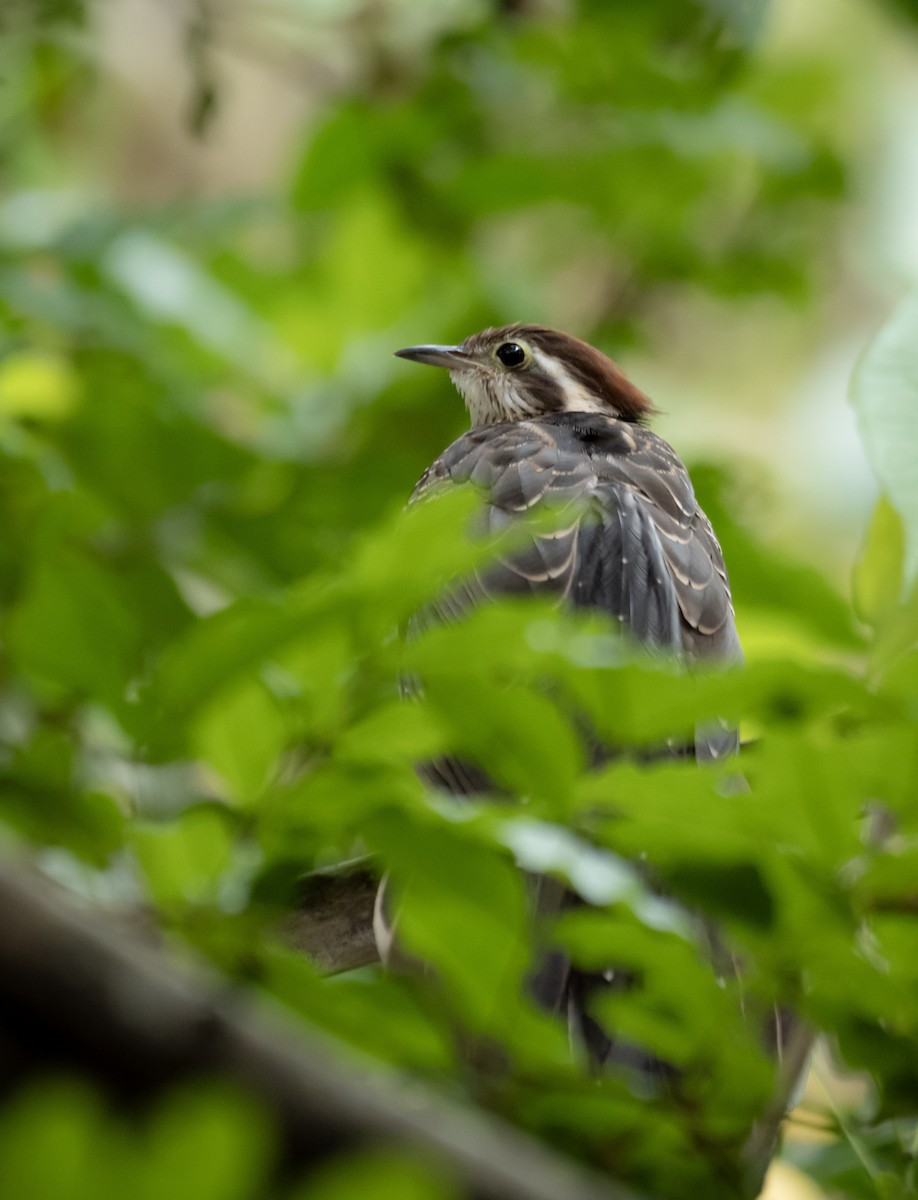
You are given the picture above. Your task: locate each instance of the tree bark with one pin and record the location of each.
(333, 918)
(77, 994)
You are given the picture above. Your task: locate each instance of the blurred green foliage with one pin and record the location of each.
(203, 1143)
(205, 450)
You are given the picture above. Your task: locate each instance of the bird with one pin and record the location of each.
(554, 420)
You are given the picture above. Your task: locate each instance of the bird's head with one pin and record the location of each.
(523, 371)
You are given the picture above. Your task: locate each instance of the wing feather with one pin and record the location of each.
(639, 548)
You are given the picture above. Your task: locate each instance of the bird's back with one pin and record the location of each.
(556, 422)
(637, 545)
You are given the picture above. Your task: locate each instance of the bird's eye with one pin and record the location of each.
(511, 354)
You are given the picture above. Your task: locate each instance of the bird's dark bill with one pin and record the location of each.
(451, 357)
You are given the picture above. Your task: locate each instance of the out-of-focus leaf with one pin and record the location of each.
(675, 1006)
(412, 557)
(514, 638)
(183, 861)
(374, 265)
(208, 1142)
(493, 726)
(241, 734)
(333, 802)
(878, 573)
(597, 876)
(847, 1164)
(885, 395)
(676, 809)
(805, 596)
(55, 1144)
(451, 891)
(640, 705)
(73, 626)
(171, 287)
(37, 387)
(908, 8)
(735, 890)
(894, 649)
(23, 496)
(379, 1015)
(799, 796)
(142, 445)
(41, 795)
(43, 15)
(386, 1176)
(399, 731)
(740, 22)
(216, 651)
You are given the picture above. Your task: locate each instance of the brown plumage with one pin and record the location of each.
(565, 425)
(554, 420)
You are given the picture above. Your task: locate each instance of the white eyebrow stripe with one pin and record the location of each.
(576, 396)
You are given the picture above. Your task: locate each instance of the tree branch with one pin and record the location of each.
(76, 995)
(333, 918)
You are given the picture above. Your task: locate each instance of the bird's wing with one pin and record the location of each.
(637, 545)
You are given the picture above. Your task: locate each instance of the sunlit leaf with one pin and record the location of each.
(55, 1144)
(37, 387)
(208, 1143)
(388, 1176)
(184, 860)
(241, 735)
(884, 398)
(451, 891)
(879, 570)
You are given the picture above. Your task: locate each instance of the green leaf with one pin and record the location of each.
(377, 1013)
(73, 626)
(41, 796)
(452, 892)
(670, 1002)
(878, 573)
(734, 889)
(184, 861)
(597, 876)
(885, 398)
(410, 558)
(401, 731)
(55, 1144)
(646, 704)
(37, 387)
(207, 1142)
(330, 806)
(218, 649)
(241, 734)
(385, 1175)
(520, 737)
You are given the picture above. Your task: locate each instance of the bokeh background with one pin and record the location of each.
(218, 218)
(275, 195)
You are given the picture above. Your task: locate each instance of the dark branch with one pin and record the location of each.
(76, 995)
(333, 918)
